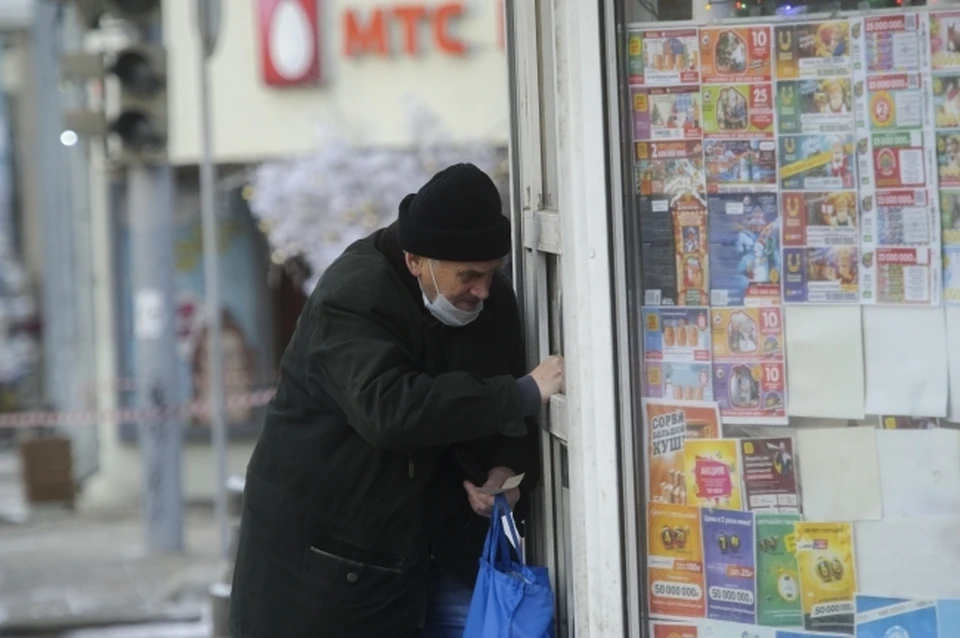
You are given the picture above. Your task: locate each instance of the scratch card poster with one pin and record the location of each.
(736, 54)
(778, 580)
(677, 353)
(738, 110)
(675, 561)
(666, 113)
(892, 43)
(745, 256)
(670, 56)
(730, 564)
(816, 49)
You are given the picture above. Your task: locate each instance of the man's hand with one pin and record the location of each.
(549, 377)
(481, 503)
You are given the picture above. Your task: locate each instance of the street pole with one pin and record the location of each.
(150, 193)
(208, 23)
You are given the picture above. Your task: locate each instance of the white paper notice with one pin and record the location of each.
(720, 629)
(906, 360)
(909, 558)
(824, 361)
(953, 361)
(920, 472)
(839, 474)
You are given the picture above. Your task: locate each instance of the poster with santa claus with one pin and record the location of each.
(817, 162)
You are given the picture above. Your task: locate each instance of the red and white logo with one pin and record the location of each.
(289, 41)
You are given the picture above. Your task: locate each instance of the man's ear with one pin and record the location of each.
(414, 263)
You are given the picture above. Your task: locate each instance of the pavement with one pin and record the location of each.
(85, 574)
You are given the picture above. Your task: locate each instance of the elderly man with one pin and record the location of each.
(402, 400)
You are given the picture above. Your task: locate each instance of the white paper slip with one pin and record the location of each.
(953, 359)
(511, 483)
(839, 474)
(919, 473)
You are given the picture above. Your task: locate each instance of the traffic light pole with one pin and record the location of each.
(150, 194)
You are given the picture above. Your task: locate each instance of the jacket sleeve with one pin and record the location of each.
(357, 359)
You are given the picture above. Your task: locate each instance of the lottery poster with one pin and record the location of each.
(729, 561)
(812, 50)
(668, 424)
(900, 250)
(749, 374)
(669, 168)
(677, 353)
(666, 113)
(667, 629)
(778, 579)
(691, 246)
(735, 54)
(670, 56)
(738, 110)
(945, 40)
(744, 251)
(898, 159)
(894, 101)
(817, 162)
(892, 43)
(675, 561)
(948, 158)
(657, 255)
(908, 423)
(635, 57)
(950, 225)
(946, 101)
(951, 275)
(734, 166)
(828, 580)
(712, 471)
(818, 106)
(879, 617)
(769, 475)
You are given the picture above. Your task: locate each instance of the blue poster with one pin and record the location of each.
(895, 618)
(730, 565)
(786, 633)
(948, 618)
(744, 249)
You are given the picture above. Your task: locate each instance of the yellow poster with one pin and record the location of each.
(668, 424)
(828, 581)
(712, 473)
(675, 561)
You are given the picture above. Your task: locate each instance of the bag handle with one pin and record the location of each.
(496, 549)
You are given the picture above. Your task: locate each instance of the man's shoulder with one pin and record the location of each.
(361, 278)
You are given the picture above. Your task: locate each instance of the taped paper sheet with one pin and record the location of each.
(824, 361)
(953, 360)
(920, 472)
(839, 474)
(909, 558)
(906, 360)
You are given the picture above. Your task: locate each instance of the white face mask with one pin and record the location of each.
(444, 311)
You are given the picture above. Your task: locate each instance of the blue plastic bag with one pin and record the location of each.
(510, 600)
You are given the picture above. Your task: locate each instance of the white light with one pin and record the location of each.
(68, 138)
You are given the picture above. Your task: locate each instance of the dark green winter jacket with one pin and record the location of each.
(355, 486)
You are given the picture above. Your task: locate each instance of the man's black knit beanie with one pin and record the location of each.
(456, 216)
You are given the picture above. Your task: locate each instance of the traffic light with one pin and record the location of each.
(141, 121)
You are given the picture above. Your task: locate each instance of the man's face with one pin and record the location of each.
(464, 284)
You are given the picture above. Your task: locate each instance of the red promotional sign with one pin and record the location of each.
(289, 34)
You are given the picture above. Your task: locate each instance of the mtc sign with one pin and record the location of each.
(372, 31)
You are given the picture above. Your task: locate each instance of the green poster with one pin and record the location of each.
(778, 586)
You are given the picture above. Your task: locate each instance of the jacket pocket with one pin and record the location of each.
(347, 576)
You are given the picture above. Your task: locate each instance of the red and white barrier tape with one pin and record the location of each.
(43, 418)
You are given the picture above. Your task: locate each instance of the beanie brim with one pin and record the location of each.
(479, 244)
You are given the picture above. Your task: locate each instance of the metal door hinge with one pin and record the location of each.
(541, 231)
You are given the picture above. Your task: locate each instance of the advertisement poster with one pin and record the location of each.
(950, 237)
(946, 100)
(665, 629)
(900, 249)
(658, 255)
(787, 633)
(666, 113)
(817, 162)
(815, 106)
(670, 56)
(778, 581)
(892, 43)
(667, 425)
(749, 375)
(669, 168)
(635, 57)
(895, 617)
(944, 34)
(948, 158)
(894, 101)
(909, 422)
(677, 353)
(744, 251)
(691, 244)
(735, 54)
(769, 475)
(675, 561)
(723, 629)
(738, 110)
(828, 580)
(712, 470)
(729, 561)
(735, 166)
(898, 159)
(813, 50)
